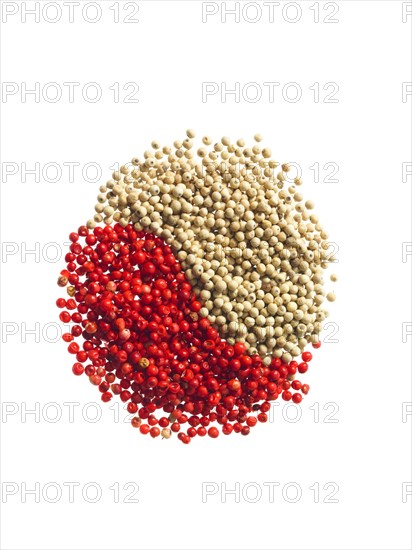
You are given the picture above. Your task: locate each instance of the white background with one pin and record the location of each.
(366, 374)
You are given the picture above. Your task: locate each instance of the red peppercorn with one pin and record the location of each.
(251, 421)
(154, 432)
(303, 367)
(73, 348)
(191, 432)
(196, 306)
(78, 369)
(296, 398)
(286, 395)
(106, 396)
(239, 348)
(306, 356)
(262, 417)
(65, 317)
(213, 432)
(163, 422)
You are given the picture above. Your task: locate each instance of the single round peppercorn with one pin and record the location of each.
(297, 398)
(306, 356)
(154, 432)
(175, 427)
(227, 429)
(144, 429)
(78, 369)
(106, 396)
(136, 422)
(262, 417)
(286, 395)
(303, 367)
(251, 421)
(65, 317)
(73, 348)
(213, 432)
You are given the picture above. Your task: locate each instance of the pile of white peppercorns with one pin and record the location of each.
(249, 245)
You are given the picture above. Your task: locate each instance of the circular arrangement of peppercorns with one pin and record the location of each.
(195, 300)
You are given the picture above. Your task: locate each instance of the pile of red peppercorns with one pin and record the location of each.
(144, 340)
